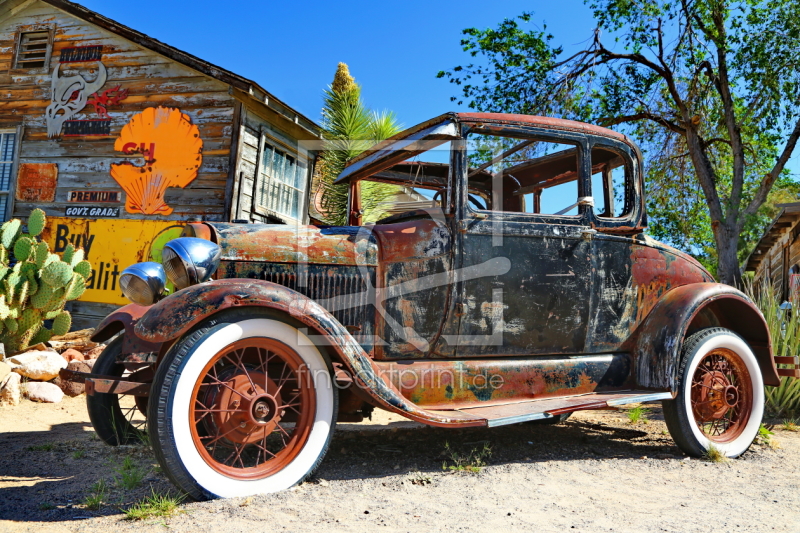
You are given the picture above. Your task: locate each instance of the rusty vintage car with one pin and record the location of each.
(516, 285)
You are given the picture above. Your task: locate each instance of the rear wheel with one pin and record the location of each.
(116, 418)
(242, 406)
(720, 399)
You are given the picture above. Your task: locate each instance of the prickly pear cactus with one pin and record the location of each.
(35, 284)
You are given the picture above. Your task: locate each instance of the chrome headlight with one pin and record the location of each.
(143, 283)
(189, 260)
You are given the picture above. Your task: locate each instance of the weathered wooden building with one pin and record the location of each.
(776, 257)
(119, 137)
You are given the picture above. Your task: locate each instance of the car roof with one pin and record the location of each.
(358, 167)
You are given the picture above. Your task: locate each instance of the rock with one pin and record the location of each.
(69, 388)
(90, 362)
(4, 371)
(41, 347)
(95, 352)
(71, 354)
(10, 393)
(40, 366)
(43, 392)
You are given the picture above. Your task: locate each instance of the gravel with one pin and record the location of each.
(596, 472)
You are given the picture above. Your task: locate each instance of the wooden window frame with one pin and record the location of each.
(265, 141)
(12, 181)
(50, 29)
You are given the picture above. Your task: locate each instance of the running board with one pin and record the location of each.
(514, 413)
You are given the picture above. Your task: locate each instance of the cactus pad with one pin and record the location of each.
(31, 318)
(43, 296)
(62, 323)
(76, 287)
(43, 335)
(23, 248)
(40, 254)
(57, 301)
(84, 269)
(66, 255)
(36, 222)
(57, 274)
(10, 230)
(77, 257)
(22, 292)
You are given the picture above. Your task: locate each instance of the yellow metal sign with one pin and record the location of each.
(110, 245)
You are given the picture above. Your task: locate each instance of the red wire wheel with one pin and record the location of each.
(252, 408)
(721, 395)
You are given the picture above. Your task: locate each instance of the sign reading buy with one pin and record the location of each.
(110, 245)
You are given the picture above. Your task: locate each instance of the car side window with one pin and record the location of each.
(611, 183)
(522, 175)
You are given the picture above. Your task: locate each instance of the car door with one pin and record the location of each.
(525, 271)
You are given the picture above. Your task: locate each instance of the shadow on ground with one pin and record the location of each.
(47, 475)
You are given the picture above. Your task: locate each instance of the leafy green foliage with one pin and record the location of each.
(784, 328)
(472, 461)
(98, 495)
(709, 89)
(156, 504)
(349, 129)
(35, 288)
(637, 414)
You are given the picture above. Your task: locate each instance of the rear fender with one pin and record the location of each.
(133, 349)
(174, 316)
(689, 308)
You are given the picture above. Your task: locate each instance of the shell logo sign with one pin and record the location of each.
(172, 151)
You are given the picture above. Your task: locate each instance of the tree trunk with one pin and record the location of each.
(727, 238)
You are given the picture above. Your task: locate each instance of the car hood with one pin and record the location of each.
(278, 243)
(679, 254)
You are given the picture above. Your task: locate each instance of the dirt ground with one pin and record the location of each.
(596, 472)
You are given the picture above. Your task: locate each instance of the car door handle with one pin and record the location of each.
(588, 233)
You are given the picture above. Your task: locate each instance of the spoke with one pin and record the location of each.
(221, 436)
(240, 354)
(217, 382)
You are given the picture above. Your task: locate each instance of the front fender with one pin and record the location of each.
(660, 337)
(175, 315)
(133, 349)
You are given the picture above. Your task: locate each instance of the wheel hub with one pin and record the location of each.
(264, 409)
(715, 393)
(721, 395)
(244, 411)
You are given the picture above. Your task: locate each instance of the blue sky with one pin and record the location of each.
(394, 49)
(292, 48)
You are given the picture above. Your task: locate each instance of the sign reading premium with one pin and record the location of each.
(87, 211)
(110, 245)
(111, 197)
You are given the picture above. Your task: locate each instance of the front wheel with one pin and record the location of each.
(116, 418)
(242, 405)
(720, 399)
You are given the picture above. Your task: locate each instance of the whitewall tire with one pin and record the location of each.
(243, 404)
(720, 397)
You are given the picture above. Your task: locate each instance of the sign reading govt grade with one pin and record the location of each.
(110, 245)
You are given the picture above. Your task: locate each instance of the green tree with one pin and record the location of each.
(349, 128)
(709, 88)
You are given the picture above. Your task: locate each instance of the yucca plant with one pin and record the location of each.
(349, 128)
(784, 327)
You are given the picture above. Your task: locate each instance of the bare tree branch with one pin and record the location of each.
(766, 183)
(612, 121)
